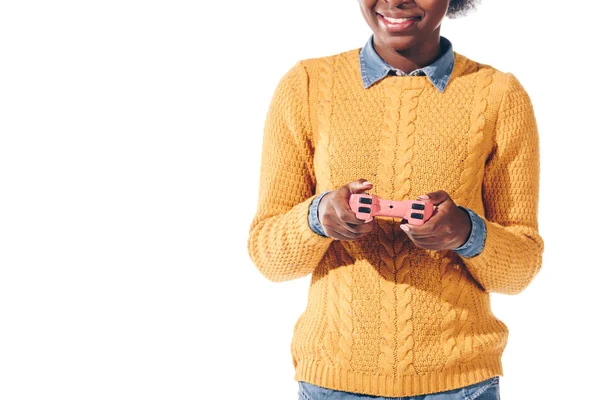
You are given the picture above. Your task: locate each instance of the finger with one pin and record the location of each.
(407, 229)
(422, 236)
(429, 243)
(340, 235)
(424, 230)
(430, 227)
(347, 216)
(356, 228)
(435, 197)
(359, 230)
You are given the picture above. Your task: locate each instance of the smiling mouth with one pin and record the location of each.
(398, 20)
(397, 25)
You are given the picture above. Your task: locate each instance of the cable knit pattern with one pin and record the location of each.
(472, 175)
(385, 230)
(411, 90)
(334, 322)
(324, 105)
(451, 284)
(385, 317)
(455, 323)
(510, 198)
(404, 332)
(345, 293)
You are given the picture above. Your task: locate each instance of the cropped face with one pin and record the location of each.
(401, 24)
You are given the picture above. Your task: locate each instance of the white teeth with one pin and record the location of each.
(396, 20)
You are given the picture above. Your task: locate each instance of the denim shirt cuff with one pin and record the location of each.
(476, 241)
(313, 219)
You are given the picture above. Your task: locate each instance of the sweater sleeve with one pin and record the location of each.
(512, 254)
(281, 243)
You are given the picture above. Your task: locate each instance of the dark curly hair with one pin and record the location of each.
(460, 8)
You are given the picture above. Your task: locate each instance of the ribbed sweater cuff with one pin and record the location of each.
(338, 378)
(509, 260)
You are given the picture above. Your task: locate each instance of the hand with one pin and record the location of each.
(447, 229)
(336, 217)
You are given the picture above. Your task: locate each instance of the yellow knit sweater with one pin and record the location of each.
(385, 317)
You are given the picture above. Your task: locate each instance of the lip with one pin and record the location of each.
(399, 15)
(401, 27)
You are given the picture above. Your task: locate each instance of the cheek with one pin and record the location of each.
(369, 15)
(367, 7)
(434, 10)
(367, 4)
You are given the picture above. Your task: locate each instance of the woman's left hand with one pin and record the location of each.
(448, 228)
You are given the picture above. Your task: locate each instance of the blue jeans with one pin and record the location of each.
(485, 390)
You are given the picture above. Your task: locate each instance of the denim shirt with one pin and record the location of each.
(373, 68)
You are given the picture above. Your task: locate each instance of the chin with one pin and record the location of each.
(397, 42)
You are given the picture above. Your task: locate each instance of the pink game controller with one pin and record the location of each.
(366, 206)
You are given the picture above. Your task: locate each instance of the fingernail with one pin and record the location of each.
(367, 183)
(405, 228)
(424, 197)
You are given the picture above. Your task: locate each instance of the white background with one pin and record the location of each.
(130, 139)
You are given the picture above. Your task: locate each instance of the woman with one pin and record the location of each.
(397, 310)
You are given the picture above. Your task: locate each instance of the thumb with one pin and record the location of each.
(359, 186)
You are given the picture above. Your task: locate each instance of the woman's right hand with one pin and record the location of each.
(336, 217)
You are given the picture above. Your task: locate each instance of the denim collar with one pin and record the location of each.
(373, 68)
